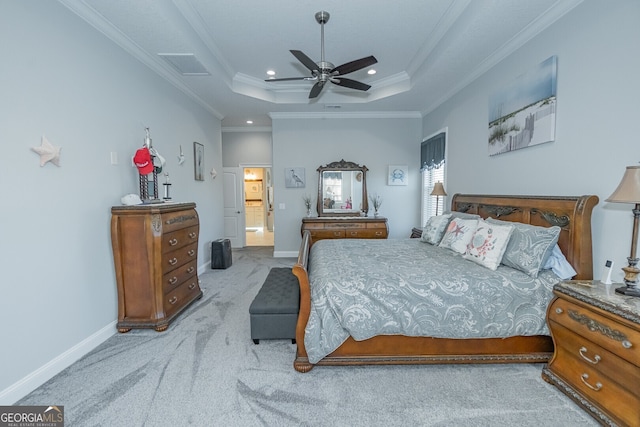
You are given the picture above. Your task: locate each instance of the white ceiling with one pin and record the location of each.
(427, 50)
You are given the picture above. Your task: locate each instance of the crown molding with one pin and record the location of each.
(97, 21)
(231, 129)
(348, 115)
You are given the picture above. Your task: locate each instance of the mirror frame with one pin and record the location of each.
(341, 166)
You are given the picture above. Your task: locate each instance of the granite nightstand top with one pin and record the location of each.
(603, 296)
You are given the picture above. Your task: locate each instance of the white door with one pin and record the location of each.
(234, 227)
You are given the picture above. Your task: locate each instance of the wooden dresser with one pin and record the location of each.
(596, 360)
(345, 227)
(155, 252)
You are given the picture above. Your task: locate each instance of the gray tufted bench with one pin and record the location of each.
(274, 311)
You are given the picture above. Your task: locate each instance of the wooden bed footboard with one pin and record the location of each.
(571, 214)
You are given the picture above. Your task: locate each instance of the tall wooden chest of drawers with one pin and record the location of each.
(345, 227)
(596, 360)
(155, 253)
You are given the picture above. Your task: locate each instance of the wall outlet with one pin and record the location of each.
(114, 157)
(281, 206)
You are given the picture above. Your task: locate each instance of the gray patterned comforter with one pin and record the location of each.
(407, 287)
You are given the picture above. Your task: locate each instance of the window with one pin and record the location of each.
(432, 156)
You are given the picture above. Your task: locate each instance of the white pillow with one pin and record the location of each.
(434, 229)
(488, 244)
(558, 263)
(459, 234)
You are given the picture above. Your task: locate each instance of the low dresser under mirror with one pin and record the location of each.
(343, 205)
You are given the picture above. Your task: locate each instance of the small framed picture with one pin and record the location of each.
(198, 161)
(398, 175)
(294, 178)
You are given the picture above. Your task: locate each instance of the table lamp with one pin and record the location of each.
(628, 191)
(438, 190)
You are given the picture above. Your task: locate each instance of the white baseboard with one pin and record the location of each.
(26, 385)
(285, 254)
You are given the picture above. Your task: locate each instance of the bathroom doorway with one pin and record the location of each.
(258, 205)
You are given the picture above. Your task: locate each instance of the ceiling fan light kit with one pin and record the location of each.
(324, 71)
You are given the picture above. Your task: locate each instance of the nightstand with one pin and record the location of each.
(596, 360)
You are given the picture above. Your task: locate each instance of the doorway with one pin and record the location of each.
(258, 206)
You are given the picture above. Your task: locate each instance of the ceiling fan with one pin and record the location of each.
(323, 71)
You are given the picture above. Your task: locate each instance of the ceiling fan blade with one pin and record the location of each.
(284, 79)
(306, 61)
(352, 84)
(356, 65)
(316, 89)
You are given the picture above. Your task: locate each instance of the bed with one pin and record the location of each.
(451, 343)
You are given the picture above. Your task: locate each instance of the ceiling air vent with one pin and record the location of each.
(185, 63)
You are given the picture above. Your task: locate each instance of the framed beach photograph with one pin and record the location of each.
(198, 161)
(523, 114)
(398, 175)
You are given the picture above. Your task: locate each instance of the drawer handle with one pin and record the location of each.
(337, 233)
(191, 252)
(173, 300)
(192, 235)
(559, 310)
(627, 344)
(378, 233)
(173, 280)
(584, 379)
(595, 326)
(353, 233)
(593, 361)
(191, 286)
(173, 261)
(190, 270)
(173, 242)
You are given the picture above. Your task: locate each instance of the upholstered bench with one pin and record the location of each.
(274, 311)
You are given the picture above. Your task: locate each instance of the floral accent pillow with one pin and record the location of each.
(459, 234)
(488, 244)
(434, 229)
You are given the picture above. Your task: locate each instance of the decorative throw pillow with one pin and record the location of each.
(434, 229)
(488, 244)
(463, 215)
(529, 246)
(458, 234)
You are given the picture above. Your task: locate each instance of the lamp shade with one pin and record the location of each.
(438, 190)
(628, 190)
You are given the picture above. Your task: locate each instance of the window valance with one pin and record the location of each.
(432, 152)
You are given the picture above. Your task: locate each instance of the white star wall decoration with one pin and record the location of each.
(48, 152)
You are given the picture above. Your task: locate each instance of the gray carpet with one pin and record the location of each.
(205, 371)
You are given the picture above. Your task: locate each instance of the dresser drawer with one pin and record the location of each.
(174, 259)
(178, 239)
(599, 389)
(571, 345)
(180, 296)
(327, 234)
(174, 278)
(607, 333)
(172, 221)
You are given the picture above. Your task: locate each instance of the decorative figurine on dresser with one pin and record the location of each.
(596, 360)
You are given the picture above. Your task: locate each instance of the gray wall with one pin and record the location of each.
(375, 141)
(246, 148)
(596, 134)
(65, 80)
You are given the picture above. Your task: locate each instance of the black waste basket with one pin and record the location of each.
(221, 253)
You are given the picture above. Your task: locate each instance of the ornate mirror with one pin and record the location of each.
(342, 189)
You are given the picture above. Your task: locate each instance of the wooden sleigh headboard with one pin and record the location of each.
(571, 214)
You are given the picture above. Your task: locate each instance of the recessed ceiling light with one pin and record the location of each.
(271, 73)
(249, 122)
(371, 72)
